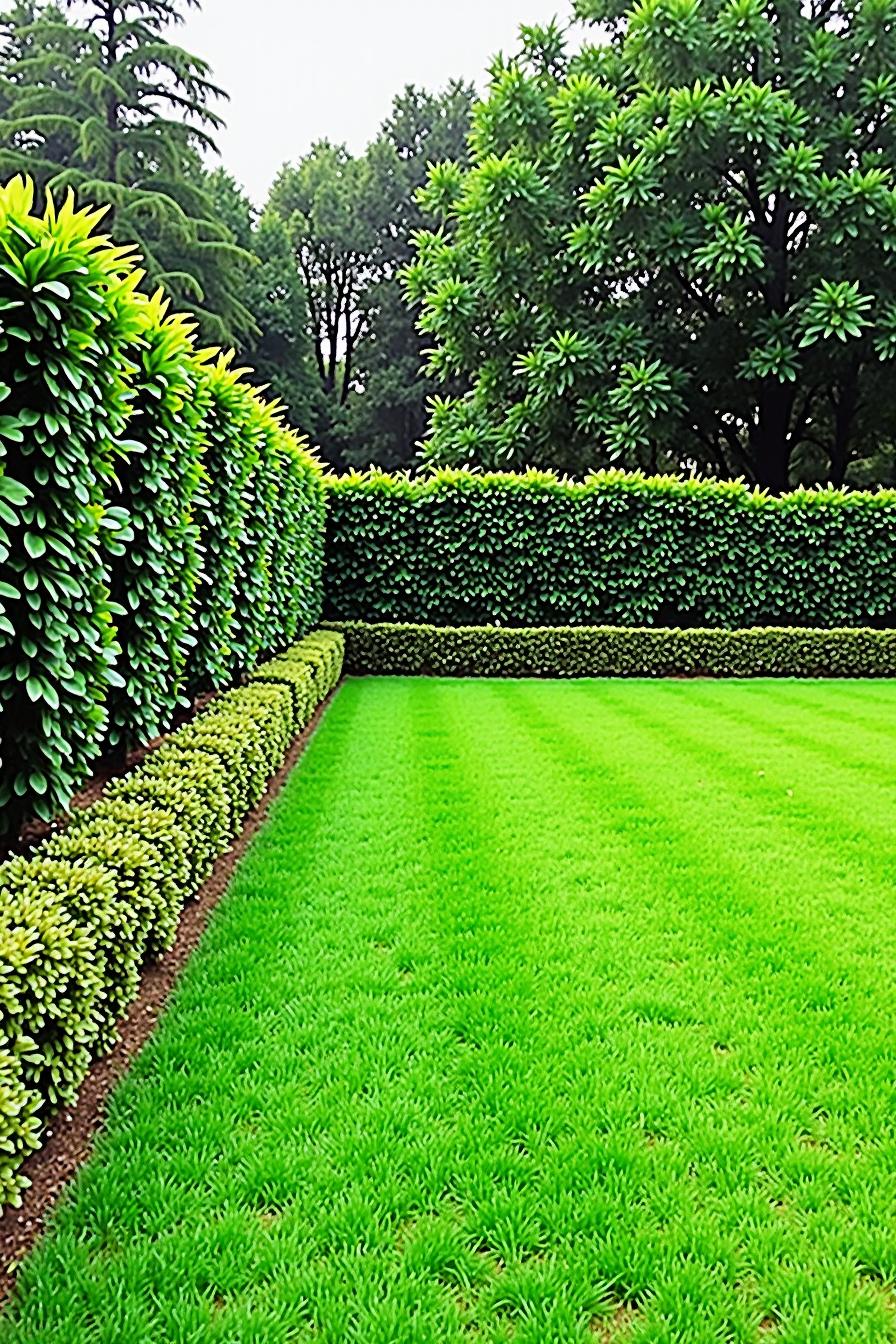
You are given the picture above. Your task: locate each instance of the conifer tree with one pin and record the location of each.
(94, 95)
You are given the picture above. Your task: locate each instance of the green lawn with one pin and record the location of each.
(539, 1012)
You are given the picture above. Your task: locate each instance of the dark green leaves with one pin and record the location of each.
(459, 548)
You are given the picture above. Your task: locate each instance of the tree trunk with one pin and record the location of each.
(845, 401)
(770, 441)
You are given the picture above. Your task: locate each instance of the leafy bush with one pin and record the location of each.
(160, 529)
(68, 317)
(582, 651)
(78, 920)
(19, 1126)
(51, 971)
(309, 672)
(297, 561)
(298, 680)
(245, 732)
(154, 577)
(196, 798)
(533, 550)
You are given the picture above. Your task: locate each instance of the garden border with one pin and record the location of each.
(69, 1139)
(388, 649)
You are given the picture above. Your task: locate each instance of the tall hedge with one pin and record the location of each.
(67, 319)
(261, 521)
(297, 561)
(231, 455)
(155, 574)
(457, 549)
(160, 528)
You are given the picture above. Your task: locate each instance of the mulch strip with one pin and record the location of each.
(68, 1141)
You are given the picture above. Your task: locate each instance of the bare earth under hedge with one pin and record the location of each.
(537, 1013)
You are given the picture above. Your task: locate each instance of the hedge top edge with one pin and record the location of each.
(608, 481)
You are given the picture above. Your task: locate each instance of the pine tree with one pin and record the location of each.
(95, 97)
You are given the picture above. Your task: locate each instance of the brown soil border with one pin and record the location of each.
(68, 1141)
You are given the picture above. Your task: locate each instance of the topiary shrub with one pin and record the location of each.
(19, 1127)
(298, 678)
(51, 970)
(194, 794)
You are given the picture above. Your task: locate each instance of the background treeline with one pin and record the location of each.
(160, 528)
(100, 98)
(662, 240)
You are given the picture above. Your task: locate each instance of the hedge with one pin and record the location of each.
(161, 529)
(80, 918)
(577, 651)
(457, 548)
(154, 575)
(68, 320)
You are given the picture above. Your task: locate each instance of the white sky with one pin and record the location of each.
(301, 70)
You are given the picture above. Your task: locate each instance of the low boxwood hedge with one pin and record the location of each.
(583, 651)
(80, 918)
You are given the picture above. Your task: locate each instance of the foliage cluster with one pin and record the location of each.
(674, 246)
(159, 528)
(612, 651)
(97, 97)
(457, 548)
(349, 220)
(81, 917)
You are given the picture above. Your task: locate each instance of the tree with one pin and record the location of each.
(351, 220)
(674, 247)
(94, 96)
(387, 412)
(280, 351)
(331, 202)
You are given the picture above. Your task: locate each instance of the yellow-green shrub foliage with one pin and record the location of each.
(80, 918)
(197, 800)
(51, 970)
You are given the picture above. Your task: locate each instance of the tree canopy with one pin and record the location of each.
(351, 219)
(279, 351)
(95, 96)
(674, 246)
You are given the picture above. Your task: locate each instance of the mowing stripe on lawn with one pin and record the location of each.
(538, 1013)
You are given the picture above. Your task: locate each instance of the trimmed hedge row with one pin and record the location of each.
(160, 528)
(533, 550)
(581, 651)
(80, 918)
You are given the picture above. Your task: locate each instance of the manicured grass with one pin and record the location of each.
(539, 1013)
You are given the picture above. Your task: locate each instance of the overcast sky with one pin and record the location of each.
(301, 70)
